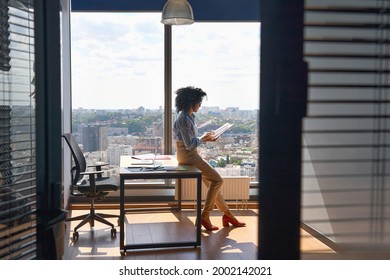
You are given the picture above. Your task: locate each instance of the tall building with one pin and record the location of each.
(102, 136)
(94, 138)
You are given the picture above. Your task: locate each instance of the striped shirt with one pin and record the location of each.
(186, 131)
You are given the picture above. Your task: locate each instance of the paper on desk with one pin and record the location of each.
(158, 168)
(151, 157)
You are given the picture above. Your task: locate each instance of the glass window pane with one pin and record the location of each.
(223, 60)
(117, 84)
(18, 184)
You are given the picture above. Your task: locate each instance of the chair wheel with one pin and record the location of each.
(113, 232)
(75, 236)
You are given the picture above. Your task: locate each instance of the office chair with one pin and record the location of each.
(96, 187)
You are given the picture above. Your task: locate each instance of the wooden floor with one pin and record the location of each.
(228, 243)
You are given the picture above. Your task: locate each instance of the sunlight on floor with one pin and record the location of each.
(225, 243)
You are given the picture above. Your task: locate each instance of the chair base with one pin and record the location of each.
(90, 218)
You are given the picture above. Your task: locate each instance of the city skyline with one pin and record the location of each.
(161, 108)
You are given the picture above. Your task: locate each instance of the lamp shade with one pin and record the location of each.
(177, 12)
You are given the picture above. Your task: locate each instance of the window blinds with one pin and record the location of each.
(346, 131)
(17, 131)
(4, 37)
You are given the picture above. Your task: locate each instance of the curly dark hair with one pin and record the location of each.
(188, 97)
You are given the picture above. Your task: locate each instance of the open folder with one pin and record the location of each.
(218, 132)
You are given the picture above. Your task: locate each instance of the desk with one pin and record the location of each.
(172, 171)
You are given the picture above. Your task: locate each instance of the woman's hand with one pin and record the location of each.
(208, 137)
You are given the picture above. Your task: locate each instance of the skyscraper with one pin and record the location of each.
(94, 138)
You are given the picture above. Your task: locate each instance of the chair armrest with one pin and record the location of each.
(91, 172)
(98, 166)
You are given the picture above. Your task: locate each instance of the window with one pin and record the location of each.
(117, 84)
(345, 164)
(223, 60)
(17, 132)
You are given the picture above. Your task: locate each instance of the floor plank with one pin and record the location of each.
(228, 243)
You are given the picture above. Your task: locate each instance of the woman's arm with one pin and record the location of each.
(188, 133)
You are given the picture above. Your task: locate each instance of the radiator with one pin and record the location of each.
(235, 188)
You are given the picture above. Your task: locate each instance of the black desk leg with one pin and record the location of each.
(122, 214)
(179, 194)
(198, 210)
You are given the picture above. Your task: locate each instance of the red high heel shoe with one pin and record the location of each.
(209, 226)
(226, 220)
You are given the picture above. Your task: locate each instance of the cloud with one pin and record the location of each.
(117, 61)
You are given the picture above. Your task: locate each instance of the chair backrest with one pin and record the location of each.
(80, 164)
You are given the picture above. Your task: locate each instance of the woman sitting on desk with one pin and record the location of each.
(188, 101)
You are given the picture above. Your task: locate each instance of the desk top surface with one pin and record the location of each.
(129, 166)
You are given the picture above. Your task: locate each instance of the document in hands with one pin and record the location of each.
(218, 132)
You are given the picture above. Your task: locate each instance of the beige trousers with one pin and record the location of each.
(210, 177)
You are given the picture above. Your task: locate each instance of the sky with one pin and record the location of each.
(118, 61)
